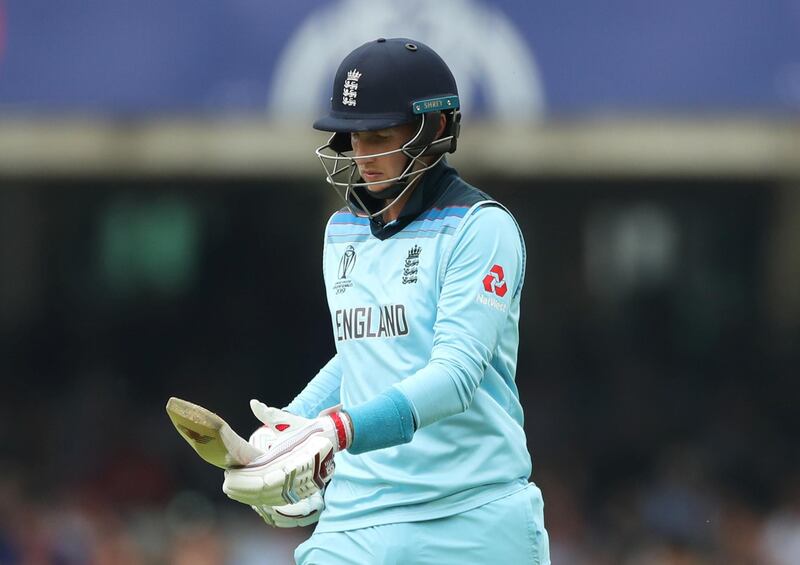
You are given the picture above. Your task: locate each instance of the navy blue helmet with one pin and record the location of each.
(382, 84)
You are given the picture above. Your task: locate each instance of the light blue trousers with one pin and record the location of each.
(508, 531)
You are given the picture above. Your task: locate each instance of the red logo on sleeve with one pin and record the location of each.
(495, 281)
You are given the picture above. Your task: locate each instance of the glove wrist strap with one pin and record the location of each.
(343, 428)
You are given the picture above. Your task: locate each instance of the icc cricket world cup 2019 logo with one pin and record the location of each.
(347, 262)
(346, 265)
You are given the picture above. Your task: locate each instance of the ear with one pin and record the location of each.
(442, 125)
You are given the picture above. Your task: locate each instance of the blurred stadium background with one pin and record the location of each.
(161, 213)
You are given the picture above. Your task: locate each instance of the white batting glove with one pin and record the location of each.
(298, 464)
(305, 512)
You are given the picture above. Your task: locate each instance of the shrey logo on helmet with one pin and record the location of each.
(350, 91)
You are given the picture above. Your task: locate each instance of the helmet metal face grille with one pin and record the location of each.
(341, 169)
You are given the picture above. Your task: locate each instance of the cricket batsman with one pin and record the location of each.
(418, 409)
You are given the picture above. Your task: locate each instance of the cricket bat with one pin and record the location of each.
(210, 436)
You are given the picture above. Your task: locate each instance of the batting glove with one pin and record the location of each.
(305, 512)
(298, 464)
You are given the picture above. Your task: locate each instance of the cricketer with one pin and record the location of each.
(418, 409)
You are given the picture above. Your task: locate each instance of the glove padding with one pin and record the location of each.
(297, 463)
(305, 512)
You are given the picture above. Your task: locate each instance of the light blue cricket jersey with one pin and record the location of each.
(430, 306)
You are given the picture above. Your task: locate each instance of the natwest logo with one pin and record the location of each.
(494, 281)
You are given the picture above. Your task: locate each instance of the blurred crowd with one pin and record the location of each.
(676, 517)
(76, 529)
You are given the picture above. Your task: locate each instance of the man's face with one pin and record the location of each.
(374, 169)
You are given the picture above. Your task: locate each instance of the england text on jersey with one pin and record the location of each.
(371, 322)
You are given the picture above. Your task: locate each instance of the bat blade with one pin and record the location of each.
(209, 435)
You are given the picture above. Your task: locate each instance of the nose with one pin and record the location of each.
(364, 160)
(363, 152)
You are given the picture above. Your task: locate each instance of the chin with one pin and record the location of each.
(373, 188)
